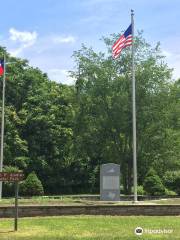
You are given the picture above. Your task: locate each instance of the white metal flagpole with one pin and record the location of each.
(134, 113)
(2, 124)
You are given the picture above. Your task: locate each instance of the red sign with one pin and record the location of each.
(11, 177)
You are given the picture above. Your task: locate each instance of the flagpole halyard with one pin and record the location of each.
(2, 123)
(134, 114)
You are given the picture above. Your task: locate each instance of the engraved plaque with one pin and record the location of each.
(110, 182)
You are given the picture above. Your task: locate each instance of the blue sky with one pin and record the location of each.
(46, 32)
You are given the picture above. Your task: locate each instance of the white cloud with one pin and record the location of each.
(166, 53)
(23, 37)
(173, 60)
(61, 39)
(22, 40)
(61, 76)
(51, 53)
(16, 51)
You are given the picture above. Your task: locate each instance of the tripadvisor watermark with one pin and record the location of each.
(140, 231)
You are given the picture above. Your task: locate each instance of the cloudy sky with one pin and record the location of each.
(46, 32)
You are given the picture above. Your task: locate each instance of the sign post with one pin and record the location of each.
(16, 206)
(13, 177)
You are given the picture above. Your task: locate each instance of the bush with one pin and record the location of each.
(121, 189)
(140, 190)
(153, 184)
(178, 186)
(9, 187)
(170, 192)
(171, 180)
(32, 186)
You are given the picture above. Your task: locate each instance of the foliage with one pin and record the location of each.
(170, 192)
(140, 190)
(32, 186)
(67, 132)
(9, 187)
(153, 184)
(171, 180)
(103, 121)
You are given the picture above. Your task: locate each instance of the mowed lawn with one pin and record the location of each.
(78, 200)
(88, 227)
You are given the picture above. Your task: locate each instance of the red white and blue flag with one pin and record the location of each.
(124, 41)
(1, 67)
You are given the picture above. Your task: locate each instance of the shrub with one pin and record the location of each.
(121, 189)
(171, 180)
(140, 190)
(32, 186)
(153, 184)
(170, 192)
(177, 185)
(8, 187)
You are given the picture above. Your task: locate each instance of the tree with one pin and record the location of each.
(67, 132)
(103, 123)
(153, 184)
(38, 124)
(171, 180)
(32, 186)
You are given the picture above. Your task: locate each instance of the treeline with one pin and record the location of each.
(64, 133)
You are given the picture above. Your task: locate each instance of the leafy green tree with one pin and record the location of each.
(153, 184)
(171, 180)
(32, 186)
(38, 124)
(48, 119)
(16, 148)
(103, 122)
(64, 133)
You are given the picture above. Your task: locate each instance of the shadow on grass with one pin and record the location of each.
(8, 231)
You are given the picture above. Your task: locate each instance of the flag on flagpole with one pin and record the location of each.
(124, 41)
(1, 67)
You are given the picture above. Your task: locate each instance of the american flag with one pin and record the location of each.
(124, 41)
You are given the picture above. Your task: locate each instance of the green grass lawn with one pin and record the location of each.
(88, 227)
(77, 200)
